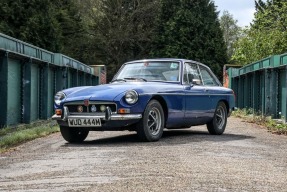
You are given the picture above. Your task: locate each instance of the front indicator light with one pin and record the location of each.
(58, 111)
(123, 111)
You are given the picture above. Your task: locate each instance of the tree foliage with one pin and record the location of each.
(190, 29)
(73, 37)
(231, 32)
(32, 21)
(111, 32)
(50, 24)
(122, 30)
(267, 35)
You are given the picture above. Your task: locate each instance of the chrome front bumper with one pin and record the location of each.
(107, 116)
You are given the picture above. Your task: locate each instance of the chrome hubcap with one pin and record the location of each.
(220, 117)
(154, 121)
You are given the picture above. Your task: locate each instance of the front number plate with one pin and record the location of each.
(84, 122)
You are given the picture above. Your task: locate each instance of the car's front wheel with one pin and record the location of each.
(218, 123)
(73, 134)
(150, 128)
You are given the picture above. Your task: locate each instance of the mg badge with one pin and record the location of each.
(86, 102)
(80, 108)
(93, 108)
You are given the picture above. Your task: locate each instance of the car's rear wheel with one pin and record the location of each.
(73, 134)
(150, 128)
(218, 123)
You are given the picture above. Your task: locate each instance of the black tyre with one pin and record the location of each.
(150, 128)
(73, 135)
(218, 123)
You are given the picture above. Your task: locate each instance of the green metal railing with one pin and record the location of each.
(262, 86)
(30, 77)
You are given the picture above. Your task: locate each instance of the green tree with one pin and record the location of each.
(74, 36)
(122, 30)
(32, 21)
(54, 25)
(231, 32)
(260, 5)
(267, 35)
(191, 29)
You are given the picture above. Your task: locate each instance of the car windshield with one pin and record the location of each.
(150, 71)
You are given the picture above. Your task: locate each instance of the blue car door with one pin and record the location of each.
(197, 98)
(211, 85)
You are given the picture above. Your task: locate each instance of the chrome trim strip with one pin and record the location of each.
(90, 102)
(88, 114)
(126, 117)
(184, 94)
(113, 117)
(86, 117)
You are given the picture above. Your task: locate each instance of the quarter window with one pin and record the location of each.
(207, 78)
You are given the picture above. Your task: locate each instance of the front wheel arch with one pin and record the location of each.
(163, 105)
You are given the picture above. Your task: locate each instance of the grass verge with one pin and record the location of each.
(11, 137)
(276, 126)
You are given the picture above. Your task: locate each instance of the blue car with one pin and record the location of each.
(146, 96)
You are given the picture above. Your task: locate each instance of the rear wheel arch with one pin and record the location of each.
(226, 104)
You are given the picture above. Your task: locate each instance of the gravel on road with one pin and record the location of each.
(245, 158)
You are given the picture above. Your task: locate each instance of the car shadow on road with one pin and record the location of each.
(169, 137)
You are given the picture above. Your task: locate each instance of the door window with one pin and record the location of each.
(191, 74)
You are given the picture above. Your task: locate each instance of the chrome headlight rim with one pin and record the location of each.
(59, 97)
(131, 97)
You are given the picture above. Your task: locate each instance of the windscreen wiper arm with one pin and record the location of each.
(118, 80)
(135, 78)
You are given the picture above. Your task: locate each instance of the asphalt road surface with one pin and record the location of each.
(245, 158)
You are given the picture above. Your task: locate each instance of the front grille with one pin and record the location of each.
(73, 107)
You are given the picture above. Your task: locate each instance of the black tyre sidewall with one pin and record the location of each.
(142, 128)
(212, 126)
(73, 134)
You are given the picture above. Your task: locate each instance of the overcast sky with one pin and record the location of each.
(242, 10)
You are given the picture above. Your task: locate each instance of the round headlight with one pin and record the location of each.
(59, 97)
(131, 97)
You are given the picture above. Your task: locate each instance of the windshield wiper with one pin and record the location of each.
(118, 80)
(135, 78)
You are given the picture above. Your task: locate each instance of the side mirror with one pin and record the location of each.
(196, 81)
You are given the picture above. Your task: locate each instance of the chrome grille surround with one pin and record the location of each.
(72, 107)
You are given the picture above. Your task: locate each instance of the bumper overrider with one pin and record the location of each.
(107, 116)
